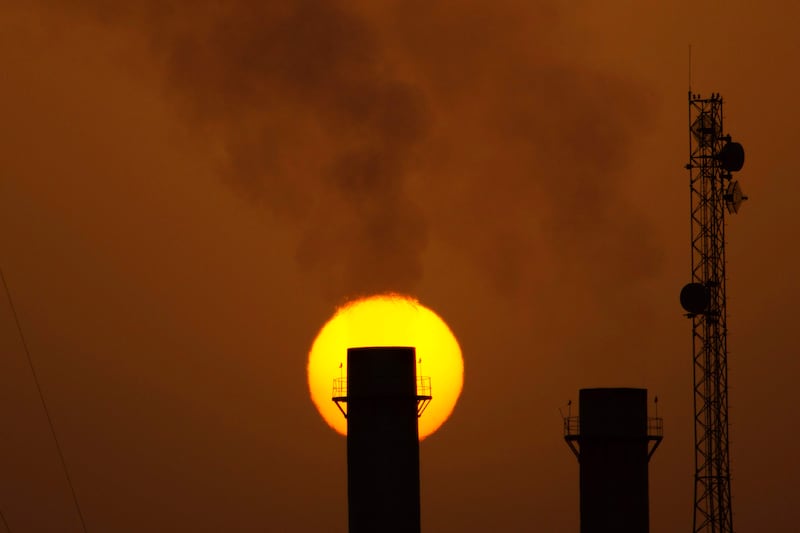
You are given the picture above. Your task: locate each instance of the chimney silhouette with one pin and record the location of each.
(612, 439)
(382, 440)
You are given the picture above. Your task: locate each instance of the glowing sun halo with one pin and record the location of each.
(387, 320)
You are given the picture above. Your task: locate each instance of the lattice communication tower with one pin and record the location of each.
(713, 158)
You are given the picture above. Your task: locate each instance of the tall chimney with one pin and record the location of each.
(612, 439)
(382, 440)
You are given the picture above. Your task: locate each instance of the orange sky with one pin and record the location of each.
(186, 192)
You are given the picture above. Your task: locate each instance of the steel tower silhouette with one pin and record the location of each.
(713, 157)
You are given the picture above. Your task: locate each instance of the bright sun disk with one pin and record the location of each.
(387, 320)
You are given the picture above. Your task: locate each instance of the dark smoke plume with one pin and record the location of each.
(330, 113)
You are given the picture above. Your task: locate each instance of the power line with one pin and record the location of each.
(44, 404)
(3, 517)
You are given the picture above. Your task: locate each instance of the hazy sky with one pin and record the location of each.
(188, 189)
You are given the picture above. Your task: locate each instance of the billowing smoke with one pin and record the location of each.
(316, 128)
(375, 130)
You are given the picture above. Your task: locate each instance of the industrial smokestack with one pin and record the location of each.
(613, 440)
(382, 440)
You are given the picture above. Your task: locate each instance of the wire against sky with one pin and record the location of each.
(44, 403)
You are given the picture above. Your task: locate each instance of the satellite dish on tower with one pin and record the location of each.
(695, 298)
(706, 129)
(733, 197)
(731, 156)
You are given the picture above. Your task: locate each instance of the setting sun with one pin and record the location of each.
(387, 320)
